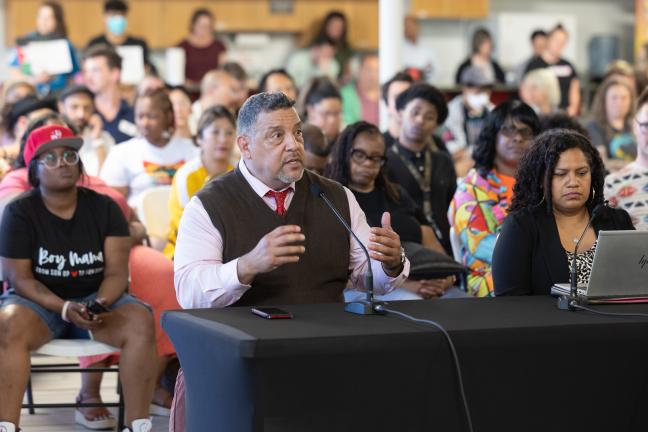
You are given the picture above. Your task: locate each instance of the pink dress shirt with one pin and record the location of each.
(203, 280)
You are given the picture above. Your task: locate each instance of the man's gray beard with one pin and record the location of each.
(288, 179)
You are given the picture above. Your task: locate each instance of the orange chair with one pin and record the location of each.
(151, 280)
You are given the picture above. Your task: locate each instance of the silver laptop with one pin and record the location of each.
(620, 268)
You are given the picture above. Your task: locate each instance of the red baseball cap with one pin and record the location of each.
(48, 137)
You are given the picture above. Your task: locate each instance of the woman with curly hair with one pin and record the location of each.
(558, 184)
(358, 162)
(482, 198)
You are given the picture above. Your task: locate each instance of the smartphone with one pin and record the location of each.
(271, 313)
(96, 308)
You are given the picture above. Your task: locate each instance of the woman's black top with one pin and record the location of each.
(529, 258)
(67, 256)
(406, 217)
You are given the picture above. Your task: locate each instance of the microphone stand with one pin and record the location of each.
(369, 306)
(571, 301)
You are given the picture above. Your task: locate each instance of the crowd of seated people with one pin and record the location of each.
(503, 189)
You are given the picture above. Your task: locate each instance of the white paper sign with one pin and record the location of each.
(52, 57)
(132, 63)
(175, 66)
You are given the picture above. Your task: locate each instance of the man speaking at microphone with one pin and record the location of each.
(257, 236)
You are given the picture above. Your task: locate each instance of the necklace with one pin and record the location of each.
(575, 238)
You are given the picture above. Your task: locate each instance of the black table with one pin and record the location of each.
(527, 366)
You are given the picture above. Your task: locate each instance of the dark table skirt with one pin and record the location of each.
(527, 367)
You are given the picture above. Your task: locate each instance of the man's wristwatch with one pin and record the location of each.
(401, 263)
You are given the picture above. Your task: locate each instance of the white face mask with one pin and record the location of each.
(477, 101)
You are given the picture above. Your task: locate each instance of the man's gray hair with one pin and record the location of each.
(257, 104)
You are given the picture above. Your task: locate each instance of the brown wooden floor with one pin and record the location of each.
(63, 388)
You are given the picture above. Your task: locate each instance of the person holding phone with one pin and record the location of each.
(64, 252)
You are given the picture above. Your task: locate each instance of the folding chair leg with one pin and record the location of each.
(120, 410)
(30, 397)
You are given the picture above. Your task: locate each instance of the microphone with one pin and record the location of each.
(360, 307)
(573, 286)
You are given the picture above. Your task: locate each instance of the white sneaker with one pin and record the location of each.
(139, 425)
(7, 427)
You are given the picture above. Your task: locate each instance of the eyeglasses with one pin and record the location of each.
(510, 131)
(643, 127)
(53, 161)
(360, 157)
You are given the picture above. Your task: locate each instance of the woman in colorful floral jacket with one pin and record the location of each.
(481, 201)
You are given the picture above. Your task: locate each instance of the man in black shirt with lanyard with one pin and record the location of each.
(415, 160)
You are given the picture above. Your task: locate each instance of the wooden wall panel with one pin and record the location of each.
(165, 22)
(20, 18)
(450, 9)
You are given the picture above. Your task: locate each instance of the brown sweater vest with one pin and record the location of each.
(243, 218)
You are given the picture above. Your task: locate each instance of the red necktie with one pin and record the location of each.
(280, 199)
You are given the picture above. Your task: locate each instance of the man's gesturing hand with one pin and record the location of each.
(280, 246)
(385, 246)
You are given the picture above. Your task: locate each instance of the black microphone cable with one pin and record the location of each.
(455, 357)
(573, 281)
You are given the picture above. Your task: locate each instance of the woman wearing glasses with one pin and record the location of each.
(481, 201)
(63, 246)
(358, 162)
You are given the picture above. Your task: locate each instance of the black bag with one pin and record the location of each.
(428, 264)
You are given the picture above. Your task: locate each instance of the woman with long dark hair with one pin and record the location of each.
(203, 52)
(50, 25)
(558, 184)
(335, 27)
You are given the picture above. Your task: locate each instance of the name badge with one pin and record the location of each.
(127, 128)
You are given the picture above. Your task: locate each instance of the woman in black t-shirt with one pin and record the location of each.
(65, 253)
(358, 161)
